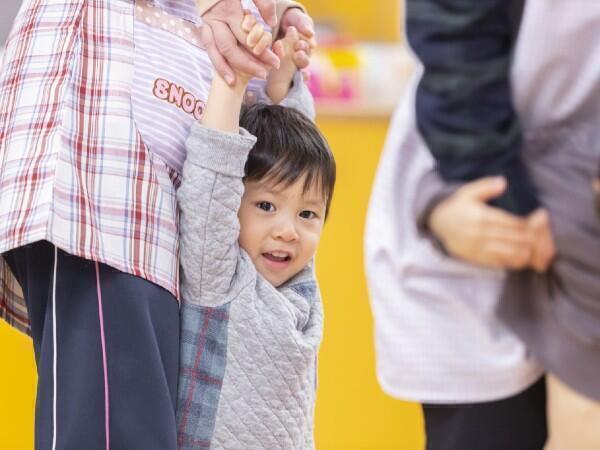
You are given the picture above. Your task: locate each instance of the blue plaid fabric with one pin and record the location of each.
(203, 359)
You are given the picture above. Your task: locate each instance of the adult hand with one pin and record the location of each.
(476, 232)
(543, 250)
(225, 41)
(295, 17)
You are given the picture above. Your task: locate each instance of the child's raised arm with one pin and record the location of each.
(224, 102)
(289, 49)
(211, 190)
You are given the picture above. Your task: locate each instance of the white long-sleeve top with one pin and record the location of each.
(437, 336)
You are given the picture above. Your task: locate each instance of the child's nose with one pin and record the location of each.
(286, 231)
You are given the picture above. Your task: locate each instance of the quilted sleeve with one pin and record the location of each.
(299, 96)
(209, 199)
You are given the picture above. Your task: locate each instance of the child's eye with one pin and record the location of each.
(308, 215)
(266, 206)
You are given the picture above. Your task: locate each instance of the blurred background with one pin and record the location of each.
(357, 76)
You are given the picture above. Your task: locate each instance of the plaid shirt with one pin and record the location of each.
(74, 170)
(96, 100)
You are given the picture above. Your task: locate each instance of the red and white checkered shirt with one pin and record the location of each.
(74, 169)
(96, 100)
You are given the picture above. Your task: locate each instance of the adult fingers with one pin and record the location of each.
(504, 255)
(509, 235)
(299, 19)
(484, 189)
(266, 8)
(238, 58)
(302, 45)
(312, 41)
(496, 217)
(301, 59)
(219, 63)
(544, 249)
(302, 54)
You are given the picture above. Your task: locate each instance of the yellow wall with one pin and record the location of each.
(370, 20)
(17, 390)
(352, 412)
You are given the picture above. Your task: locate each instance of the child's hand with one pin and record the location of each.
(257, 39)
(475, 232)
(304, 24)
(222, 110)
(293, 49)
(294, 53)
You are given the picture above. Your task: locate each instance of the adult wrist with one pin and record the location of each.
(204, 5)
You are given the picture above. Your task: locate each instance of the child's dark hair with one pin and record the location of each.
(288, 146)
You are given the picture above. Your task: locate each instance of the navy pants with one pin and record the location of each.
(514, 423)
(106, 347)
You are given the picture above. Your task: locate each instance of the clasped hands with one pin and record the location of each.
(229, 51)
(472, 230)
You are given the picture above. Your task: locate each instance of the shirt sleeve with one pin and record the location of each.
(298, 97)
(463, 105)
(209, 199)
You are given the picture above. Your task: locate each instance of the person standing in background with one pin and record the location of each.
(552, 129)
(474, 64)
(96, 101)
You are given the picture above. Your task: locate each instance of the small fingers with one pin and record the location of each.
(248, 22)
(263, 44)
(255, 35)
(291, 34)
(278, 49)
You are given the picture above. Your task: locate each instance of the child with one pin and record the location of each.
(253, 203)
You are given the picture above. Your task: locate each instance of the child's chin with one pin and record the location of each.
(276, 281)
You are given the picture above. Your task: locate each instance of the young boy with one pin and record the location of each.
(253, 203)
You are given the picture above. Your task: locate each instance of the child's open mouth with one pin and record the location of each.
(277, 258)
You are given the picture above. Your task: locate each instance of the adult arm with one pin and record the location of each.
(463, 104)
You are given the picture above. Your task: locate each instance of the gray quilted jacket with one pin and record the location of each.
(248, 350)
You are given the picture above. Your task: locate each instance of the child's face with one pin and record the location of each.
(280, 227)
